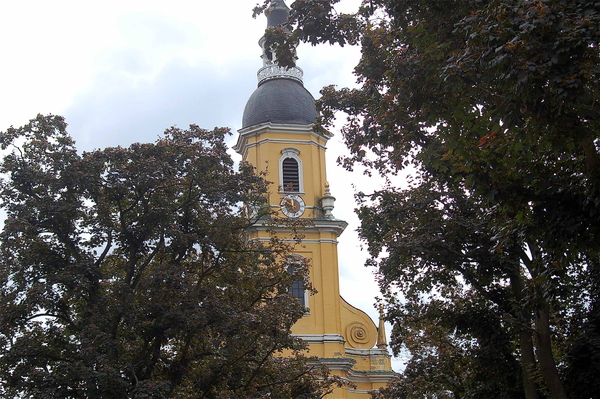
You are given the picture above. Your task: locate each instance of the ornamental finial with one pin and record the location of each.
(327, 202)
(381, 336)
(277, 14)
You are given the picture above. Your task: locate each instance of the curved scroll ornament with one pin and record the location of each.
(357, 335)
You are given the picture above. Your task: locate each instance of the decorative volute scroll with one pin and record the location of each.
(357, 335)
(359, 330)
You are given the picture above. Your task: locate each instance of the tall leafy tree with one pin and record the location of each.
(495, 244)
(126, 273)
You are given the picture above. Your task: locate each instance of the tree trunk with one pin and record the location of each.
(545, 356)
(528, 364)
(592, 158)
(543, 335)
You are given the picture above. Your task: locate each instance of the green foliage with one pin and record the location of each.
(457, 316)
(493, 248)
(126, 273)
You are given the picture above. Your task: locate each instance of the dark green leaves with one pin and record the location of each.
(495, 104)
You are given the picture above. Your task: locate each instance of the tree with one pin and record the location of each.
(494, 104)
(462, 312)
(126, 273)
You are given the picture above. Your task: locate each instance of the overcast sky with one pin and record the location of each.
(123, 71)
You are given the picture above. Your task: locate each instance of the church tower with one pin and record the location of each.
(277, 135)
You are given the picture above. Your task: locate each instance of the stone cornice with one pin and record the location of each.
(339, 363)
(334, 226)
(367, 352)
(321, 338)
(241, 145)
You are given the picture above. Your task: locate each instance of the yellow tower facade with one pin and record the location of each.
(277, 135)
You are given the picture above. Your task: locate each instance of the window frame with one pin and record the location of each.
(292, 153)
(305, 297)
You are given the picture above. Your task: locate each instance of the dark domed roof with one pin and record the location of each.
(284, 101)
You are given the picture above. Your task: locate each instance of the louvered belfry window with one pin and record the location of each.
(291, 175)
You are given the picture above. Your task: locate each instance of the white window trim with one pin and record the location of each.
(291, 153)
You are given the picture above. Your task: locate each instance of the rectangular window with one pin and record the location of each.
(297, 289)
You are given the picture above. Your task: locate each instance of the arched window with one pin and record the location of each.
(290, 171)
(291, 175)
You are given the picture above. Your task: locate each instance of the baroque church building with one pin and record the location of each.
(277, 130)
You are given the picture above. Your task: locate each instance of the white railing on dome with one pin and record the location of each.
(275, 71)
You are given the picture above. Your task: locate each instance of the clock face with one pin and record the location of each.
(292, 206)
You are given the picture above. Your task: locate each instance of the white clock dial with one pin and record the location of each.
(292, 206)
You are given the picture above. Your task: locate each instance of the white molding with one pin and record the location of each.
(287, 141)
(281, 127)
(334, 226)
(320, 241)
(367, 352)
(302, 241)
(339, 363)
(241, 146)
(290, 152)
(372, 376)
(321, 338)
